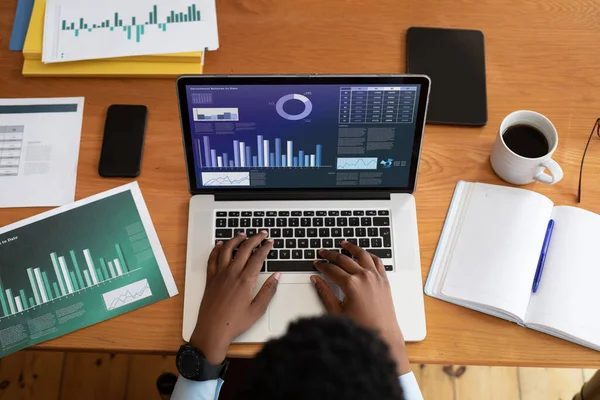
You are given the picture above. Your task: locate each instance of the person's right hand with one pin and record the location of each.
(368, 296)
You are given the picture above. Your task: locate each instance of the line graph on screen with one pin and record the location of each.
(226, 179)
(357, 163)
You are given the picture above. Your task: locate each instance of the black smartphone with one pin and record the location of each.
(123, 142)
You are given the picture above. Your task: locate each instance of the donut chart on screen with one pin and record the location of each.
(293, 117)
(298, 136)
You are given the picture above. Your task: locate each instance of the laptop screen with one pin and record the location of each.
(303, 136)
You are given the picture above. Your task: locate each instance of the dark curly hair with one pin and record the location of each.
(323, 358)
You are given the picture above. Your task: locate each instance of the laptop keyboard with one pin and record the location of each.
(298, 234)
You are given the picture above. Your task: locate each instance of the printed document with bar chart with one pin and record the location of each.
(78, 265)
(91, 29)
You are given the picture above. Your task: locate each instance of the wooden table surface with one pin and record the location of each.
(540, 55)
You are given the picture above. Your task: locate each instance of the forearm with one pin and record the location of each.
(214, 347)
(401, 357)
(397, 345)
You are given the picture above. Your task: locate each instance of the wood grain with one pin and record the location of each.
(29, 375)
(95, 376)
(143, 373)
(549, 383)
(435, 383)
(492, 383)
(540, 55)
(588, 374)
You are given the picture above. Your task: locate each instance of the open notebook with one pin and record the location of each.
(488, 253)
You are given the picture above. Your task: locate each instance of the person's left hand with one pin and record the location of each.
(227, 308)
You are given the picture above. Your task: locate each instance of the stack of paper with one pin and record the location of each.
(150, 57)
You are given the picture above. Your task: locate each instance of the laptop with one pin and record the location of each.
(314, 160)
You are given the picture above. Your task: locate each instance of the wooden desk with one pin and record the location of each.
(540, 55)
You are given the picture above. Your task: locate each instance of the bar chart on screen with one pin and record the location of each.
(216, 114)
(258, 152)
(88, 29)
(77, 265)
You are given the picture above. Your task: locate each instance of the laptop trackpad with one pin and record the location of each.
(293, 301)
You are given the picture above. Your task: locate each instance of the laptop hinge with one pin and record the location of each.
(264, 195)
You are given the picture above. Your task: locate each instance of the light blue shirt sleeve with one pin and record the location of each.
(209, 390)
(409, 385)
(186, 389)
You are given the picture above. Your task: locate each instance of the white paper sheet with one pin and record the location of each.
(568, 295)
(60, 248)
(90, 29)
(39, 151)
(494, 257)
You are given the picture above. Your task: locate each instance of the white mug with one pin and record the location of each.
(520, 170)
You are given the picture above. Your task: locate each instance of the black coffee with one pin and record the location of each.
(526, 141)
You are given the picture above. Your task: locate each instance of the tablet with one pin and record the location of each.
(454, 59)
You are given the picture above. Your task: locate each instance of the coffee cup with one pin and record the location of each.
(524, 147)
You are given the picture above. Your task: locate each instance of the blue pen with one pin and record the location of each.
(542, 260)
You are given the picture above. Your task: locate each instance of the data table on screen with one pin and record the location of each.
(377, 105)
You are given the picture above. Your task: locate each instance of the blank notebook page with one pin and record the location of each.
(569, 292)
(495, 254)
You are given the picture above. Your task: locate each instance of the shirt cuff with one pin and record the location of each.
(410, 387)
(186, 389)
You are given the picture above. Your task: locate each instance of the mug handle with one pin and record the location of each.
(556, 172)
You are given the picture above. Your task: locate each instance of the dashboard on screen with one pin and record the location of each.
(302, 136)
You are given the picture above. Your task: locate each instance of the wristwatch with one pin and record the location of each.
(192, 364)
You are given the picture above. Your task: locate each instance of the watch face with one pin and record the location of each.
(189, 363)
(192, 365)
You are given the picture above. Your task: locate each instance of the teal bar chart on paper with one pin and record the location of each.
(90, 29)
(78, 265)
(171, 17)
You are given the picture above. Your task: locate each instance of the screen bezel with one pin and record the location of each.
(349, 80)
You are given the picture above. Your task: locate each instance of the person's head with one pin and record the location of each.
(323, 358)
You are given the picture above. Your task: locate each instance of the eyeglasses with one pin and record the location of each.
(596, 127)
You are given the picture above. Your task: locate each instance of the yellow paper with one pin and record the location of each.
(113, 68)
